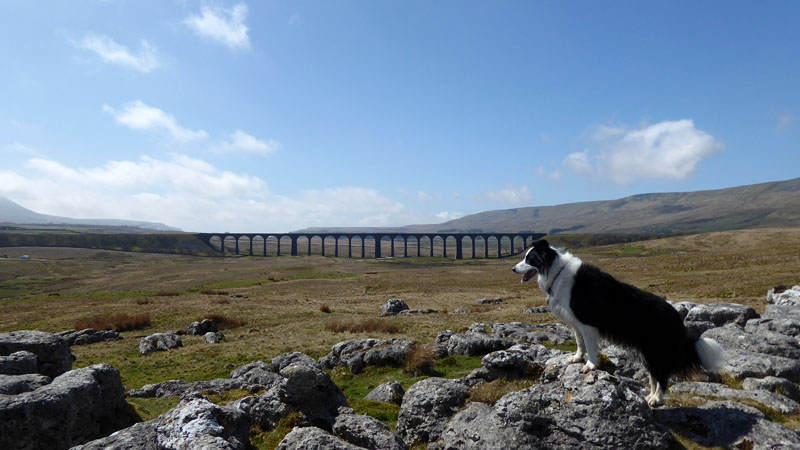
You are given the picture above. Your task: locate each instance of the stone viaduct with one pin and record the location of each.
(516, 241)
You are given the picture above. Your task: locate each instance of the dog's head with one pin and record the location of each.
(538, 259)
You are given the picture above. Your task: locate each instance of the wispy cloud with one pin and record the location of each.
(511, 195)
(667, 150)
(241, 142)
(139, 116)
(113, 53)
(784, 121)
(222, 24)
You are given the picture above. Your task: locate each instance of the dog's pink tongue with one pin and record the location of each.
(528, 275)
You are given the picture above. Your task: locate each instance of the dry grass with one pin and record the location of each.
(493, 391)
(362, 326)
(223, 322)
(419, 361)
(116, 322)
(325, 308)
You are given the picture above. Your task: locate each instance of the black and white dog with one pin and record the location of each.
(596, 305)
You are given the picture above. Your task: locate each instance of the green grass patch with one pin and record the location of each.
(493, 391)
(385, 412)
(268, 440)
(569, 346)
(150, 408)
(310, 275)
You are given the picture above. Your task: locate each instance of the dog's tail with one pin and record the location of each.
(710, 354)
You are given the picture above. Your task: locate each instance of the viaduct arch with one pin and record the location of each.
(517, 242)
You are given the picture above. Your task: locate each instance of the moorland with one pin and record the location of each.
(274, 305)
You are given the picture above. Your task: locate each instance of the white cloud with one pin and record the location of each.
(241, 142)
(222, 24)
(511, 195)
(111, 52)
(667, 150)
(139, 116)
(554, 175)
(18, 148)
(445, 216)
(194, 195)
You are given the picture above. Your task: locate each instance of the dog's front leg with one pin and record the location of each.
(579, 355)
(591, 339)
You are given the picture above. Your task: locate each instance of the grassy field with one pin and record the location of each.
(279, 300)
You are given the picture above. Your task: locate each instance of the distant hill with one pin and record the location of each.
(13, 213)
(775, 204)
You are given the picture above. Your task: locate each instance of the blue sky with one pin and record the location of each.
(275, 116)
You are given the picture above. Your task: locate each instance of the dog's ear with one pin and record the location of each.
(541, 245)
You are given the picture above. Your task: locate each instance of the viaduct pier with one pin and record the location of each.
(248, 243)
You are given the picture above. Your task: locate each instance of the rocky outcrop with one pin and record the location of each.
(53, 356)
(180, 388)
(568, 410)
(773, 384)
(489, 301)
(287, 359)
(518, 361)
(17, 384)
(427, 406)
(18, 363)
(728, 425)
(313, 438)
(769, 399)
(160, 342)
(257, 374)
(781, 295)
(357, 354)
(193, 424)
(393, 306)
(366, 432)
(89, 336)
(389, 392)
(481, 338)
(213, 337)
(76, 407)
(701, 318)
(200, 328)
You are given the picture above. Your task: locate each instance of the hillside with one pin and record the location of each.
(774, 204)
(13, 213)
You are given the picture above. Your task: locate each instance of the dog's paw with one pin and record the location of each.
(588, 367)
(577, 358)
(654, 400)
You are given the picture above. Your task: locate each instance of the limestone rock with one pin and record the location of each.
(180, 388)
(311, 391)
(780, 386)
(783, 296)
(775, 401)
(258, 373)
(18, 363)
(160, 342)
(406, 312)
(367, 432)
(721, 313)
(357, 354)
(53, 356)
(728, 425)
(200, 424)
(389, 392)
(779, 319)
(427, 405)
(313, 438)
(393, 306)
(76, 407)
(732, 336)
(200, 328)
(89, 336)
(570, 410)
(286, 359)
(742, 364)
(537, 310)
(213, 337)
(489, 301)
(17, 384)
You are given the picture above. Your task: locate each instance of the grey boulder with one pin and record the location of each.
(393, 306)
(784, 296)
(53, 356)
(570, 410)
(200, 328)
(427, 406)
(366, 432)
(17, 384)
(313, 438)
(160, 342)
(18, 363)
(357, 354)
(89, 336)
